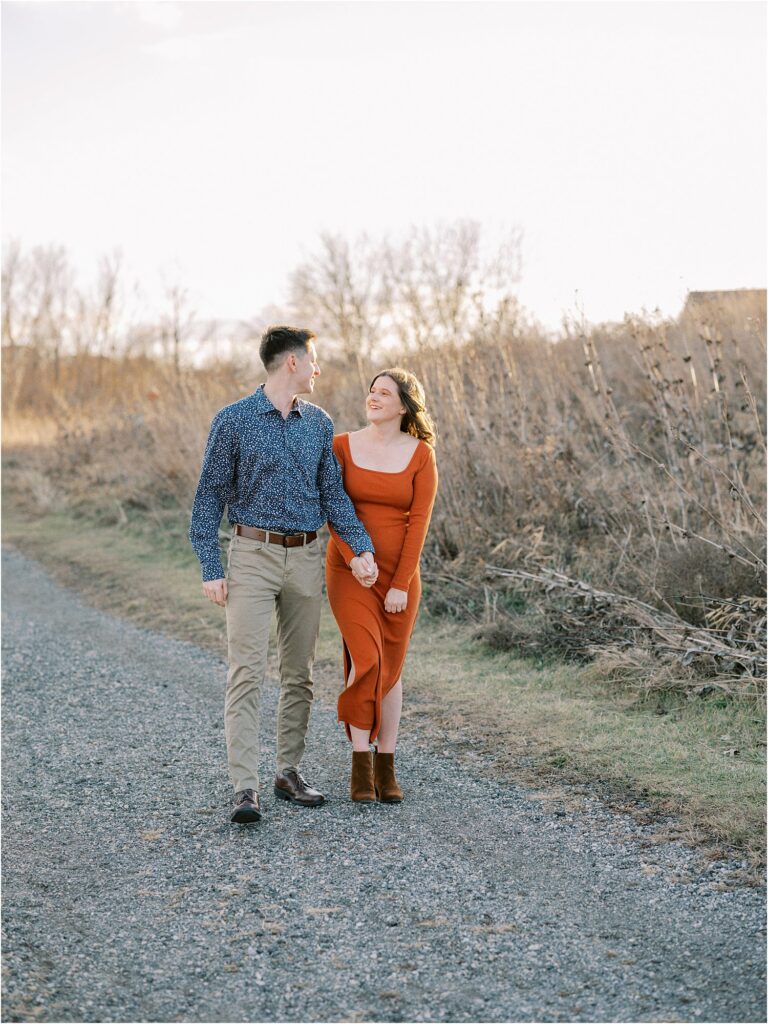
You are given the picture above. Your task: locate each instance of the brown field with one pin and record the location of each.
(602, 495)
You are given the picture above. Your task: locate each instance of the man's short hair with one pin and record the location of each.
(277, 342)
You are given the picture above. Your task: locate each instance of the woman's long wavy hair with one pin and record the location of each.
(416, 421)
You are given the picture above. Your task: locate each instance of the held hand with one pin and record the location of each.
(396, 600)
(364, 569)
(368, 560)
(216, 591)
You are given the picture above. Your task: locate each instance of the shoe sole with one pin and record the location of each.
(388, 800)
(282, 795)
(245, 817)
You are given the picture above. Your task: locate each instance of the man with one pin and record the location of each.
(269, 458)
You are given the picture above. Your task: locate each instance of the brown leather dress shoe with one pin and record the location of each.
(247, 810)
(291, 786)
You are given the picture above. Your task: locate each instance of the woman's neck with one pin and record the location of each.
(384, 433)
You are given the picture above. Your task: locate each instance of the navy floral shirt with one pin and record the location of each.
(274, 473)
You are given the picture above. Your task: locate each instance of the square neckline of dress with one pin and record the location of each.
(384, 472)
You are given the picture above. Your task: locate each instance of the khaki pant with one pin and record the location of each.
(262, 577)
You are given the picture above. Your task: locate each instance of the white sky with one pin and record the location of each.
(212, 142)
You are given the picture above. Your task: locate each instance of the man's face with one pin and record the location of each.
(307, 369)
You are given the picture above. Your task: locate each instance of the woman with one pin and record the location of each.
(390, 474)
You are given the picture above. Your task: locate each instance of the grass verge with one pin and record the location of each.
(538, 724)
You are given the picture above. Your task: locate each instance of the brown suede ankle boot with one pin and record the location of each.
(387, 789)
(361, 788)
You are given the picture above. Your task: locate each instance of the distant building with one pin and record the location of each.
(736, 302)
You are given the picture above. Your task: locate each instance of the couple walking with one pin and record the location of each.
(273, 460)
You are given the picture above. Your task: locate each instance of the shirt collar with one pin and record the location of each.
(263, 404)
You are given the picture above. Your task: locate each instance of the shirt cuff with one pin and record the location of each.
(363, 543)
(212, 571)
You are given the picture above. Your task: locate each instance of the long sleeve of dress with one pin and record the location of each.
(424, 493)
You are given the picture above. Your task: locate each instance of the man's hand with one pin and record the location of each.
(396, 600)
(370, 562)
(216, 591)
(364, 569)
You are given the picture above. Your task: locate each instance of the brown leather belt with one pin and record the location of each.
(283, 539)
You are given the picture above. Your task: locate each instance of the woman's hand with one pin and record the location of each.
(396, 600)
(364, 569)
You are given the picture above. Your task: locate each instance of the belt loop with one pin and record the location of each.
(266, 539)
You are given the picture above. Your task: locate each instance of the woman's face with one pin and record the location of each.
(383, 402)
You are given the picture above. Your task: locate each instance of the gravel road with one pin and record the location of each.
(128, 896)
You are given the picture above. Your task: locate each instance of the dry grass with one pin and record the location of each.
(628, 459)
(29, 431)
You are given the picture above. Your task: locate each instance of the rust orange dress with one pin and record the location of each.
(395, 509)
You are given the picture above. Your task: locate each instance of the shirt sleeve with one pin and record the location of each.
(345, 550)
(424, 493)
(346, 529)
(213, 491)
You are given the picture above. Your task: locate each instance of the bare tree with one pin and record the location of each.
(106, 305)
(439, 286)
(434, 286)
(13, 324)
(12, 267)
(176, 324)
(336, 292)
(50, 283)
